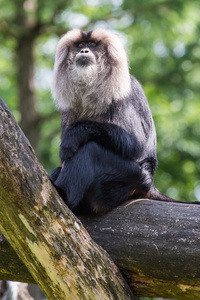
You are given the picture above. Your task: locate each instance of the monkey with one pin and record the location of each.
(108, 138)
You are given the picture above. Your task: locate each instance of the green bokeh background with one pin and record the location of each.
(162, 39)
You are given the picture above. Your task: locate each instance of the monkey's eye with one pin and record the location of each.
(92, 44)
(81, 44)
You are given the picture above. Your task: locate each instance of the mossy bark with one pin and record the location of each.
(156, 245)
(51, 242)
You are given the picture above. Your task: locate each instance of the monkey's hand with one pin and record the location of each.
(109, 136)
(71, 142)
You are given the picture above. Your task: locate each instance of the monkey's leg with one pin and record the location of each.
(54, 175)
(114, 180)
(76, 175)
(96, 179)
(114, 185)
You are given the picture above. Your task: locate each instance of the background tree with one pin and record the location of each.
(163, 43)
(162, 39)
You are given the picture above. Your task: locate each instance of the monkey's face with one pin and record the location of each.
(84, 64)
(90, 70)
(85, 57)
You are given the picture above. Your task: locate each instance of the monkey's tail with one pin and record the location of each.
(148, 166)
(154, 194)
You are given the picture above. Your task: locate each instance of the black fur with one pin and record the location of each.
(108, 160)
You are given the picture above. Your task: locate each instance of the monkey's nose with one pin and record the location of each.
(86, 50)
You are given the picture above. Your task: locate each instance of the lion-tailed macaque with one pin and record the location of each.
(108, 147)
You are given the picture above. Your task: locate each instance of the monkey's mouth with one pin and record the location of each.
(84, 61)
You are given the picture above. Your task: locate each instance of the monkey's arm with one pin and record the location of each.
(109, 136)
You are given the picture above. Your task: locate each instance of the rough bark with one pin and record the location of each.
(52, 243)
(155, 244)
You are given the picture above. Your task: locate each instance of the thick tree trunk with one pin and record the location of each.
(52, 243)
(155, 244)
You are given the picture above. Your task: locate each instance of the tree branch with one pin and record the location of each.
(155, 244)
(51, 242)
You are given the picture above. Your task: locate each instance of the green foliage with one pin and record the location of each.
(163, 44)
(164, 41)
